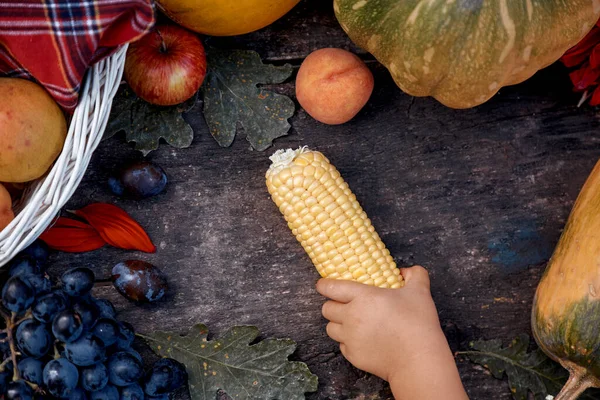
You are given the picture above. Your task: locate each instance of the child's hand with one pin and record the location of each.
(394, 334)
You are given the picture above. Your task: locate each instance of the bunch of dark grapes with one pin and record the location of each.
(63, 343)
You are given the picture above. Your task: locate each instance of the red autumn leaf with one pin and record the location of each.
(63, 222)
(72, 236)
(595, 57)
(580, 52)
(116, 227)
(595, 100)
(584, 77)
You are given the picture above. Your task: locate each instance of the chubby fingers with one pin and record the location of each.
(335, 331)
(415, 275)
(340, 290)
(333, 311)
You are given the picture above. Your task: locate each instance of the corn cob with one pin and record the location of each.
(328, 221)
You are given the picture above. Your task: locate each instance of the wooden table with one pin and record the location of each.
(477, 196)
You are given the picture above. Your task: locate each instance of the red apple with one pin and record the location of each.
(166, 66)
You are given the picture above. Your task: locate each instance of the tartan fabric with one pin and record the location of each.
(53, 42)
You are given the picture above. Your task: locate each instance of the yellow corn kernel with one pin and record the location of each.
(328, 220)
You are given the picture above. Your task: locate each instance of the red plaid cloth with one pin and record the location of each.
(55, 41)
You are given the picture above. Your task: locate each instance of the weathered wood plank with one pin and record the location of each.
(477, 196)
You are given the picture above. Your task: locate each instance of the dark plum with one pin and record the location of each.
(139, 180)
(139, 281)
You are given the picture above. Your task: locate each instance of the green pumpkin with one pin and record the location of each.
(463, 51)
(566, 308)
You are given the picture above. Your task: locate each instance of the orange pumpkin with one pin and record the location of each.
(225, 17)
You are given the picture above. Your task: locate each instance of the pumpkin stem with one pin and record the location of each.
(579, 381)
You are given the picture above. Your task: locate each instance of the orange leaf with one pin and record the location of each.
(116, 227)
(72, 236)
(63, 222)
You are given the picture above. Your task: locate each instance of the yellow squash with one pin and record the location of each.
(225, 17)
(566, 308)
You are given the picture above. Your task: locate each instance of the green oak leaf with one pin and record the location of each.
(526, 371)
(231, 96)
(232, 365)
(145, 124)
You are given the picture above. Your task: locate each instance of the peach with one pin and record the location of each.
(6, 212)
(333, 85)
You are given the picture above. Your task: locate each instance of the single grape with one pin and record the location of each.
(179, 375)
(33, 338)
(108, 393)
(5, 378)
(135, 354)
(139, 180)
(61, 293)
(46, 307)
(124, 369)
(85, 351)
(88, 312)
(157, 381)
(159, 397)
(38, 250)
(40, 283)
(139, 281)
(24, 264)
(132, 392)
(17, 294)
(78, 394)
(126, 335)
(165, 376)
(77, 281)
(18, 390)
(94, 378)
(31, 370)
(67, 326)
(105, 308)
(106, 330)
(60, 377)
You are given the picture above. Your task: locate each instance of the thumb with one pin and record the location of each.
(416, 275)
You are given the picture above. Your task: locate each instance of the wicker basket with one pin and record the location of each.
(42, 201)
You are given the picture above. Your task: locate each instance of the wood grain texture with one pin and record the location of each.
(477, 196)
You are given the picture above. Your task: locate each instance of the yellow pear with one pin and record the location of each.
(32, 130)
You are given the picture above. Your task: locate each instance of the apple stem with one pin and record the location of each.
(163, 45)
